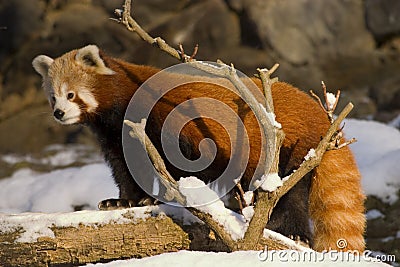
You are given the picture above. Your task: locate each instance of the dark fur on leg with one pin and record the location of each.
(290, 216)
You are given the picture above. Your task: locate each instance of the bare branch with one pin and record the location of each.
(329, 107)
(267, 201)
(186, 58)
(265, 76)
(313, 162)
(318, 99)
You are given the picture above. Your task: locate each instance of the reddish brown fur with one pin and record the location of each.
(336, 198)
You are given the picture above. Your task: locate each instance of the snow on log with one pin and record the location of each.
(86, 236)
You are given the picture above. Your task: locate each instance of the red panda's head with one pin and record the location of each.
(68, 82)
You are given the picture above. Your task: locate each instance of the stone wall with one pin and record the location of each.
(353, 45)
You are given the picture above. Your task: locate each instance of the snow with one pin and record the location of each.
(199, 195)
(311, 154)
(248, 213)
(395, 122)
(58, 190)
(59, 156)
(248, 197)
(374, 214)
(269, 258)
(271, 117)
(36, 225)
(269, 182)
(377, 152)
(331, 100)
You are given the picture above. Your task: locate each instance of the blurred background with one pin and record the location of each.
(352, 45)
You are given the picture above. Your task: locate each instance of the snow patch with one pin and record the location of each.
(35, 225)
(248, 197)
(374, 214)
(269, 182)
(248, 213)
(377, 152)
(56, 191)
(270, 258)
(59, 156)
(331, 100)
(198, 195)
(311, 154)
(271, 117)
(269, 234)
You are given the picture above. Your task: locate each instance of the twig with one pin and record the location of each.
(329, 107)
(126, 19)
(186, 58)
(265, 77)
(240, 197)
(313, 162)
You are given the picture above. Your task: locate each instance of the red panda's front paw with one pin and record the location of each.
(121, 203)
(115, 203)
(147, 201)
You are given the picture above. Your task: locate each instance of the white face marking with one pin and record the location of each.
(70, 109)
(88, 98)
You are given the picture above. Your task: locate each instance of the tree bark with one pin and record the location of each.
(90, 244)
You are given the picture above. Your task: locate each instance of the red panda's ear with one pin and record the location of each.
(42, 64)
(89, 56)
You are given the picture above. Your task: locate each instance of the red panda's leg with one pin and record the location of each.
(337, 203)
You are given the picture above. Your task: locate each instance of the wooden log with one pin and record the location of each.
(76, 238)
(90, 243)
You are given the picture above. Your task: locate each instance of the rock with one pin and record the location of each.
(21, 20)
(387, 94)
(303, 31)
(236, 5)
(383, 18)
(33, 128)
(207, 23)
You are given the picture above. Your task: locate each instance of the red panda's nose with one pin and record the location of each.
(58, 113)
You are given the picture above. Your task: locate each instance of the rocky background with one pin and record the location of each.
(352, 45)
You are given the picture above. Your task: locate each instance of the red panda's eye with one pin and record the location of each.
(53, 98)
(70, 95)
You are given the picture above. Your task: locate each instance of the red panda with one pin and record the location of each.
(88, 87)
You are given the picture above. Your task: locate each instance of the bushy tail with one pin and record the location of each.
(337, 203)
